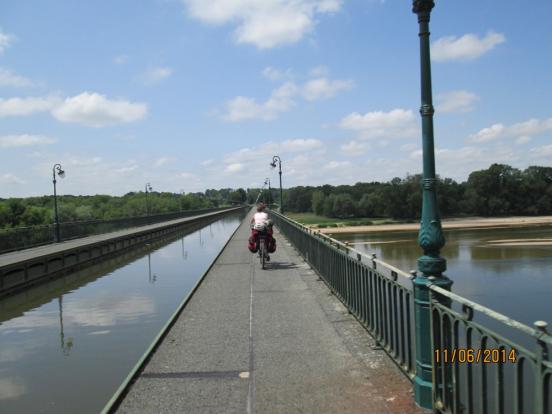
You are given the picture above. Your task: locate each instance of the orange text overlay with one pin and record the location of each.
(469, 355)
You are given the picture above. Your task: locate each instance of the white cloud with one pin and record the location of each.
(456, 101)
(299, 157)
(337, 165)
(461, 161)
(162, 161)
(462, 154)
(87, 161)
(187, 175)
(11, 141)
(319, 71)
(10, 179)
(466, 47)
(297, 145)
(282, 99)
(398, 123)
(264, 152)
(544, 151)
(124, 137)
(458, 163)
(322, 88)
(266, 23)
(156, 75)
(408, 147)
(524, 139)
(8, 78)
(242, 108)
(206, 163)
(354, 148)
(5, 41)
(520, 131)
(488, 134)
(120, 59)
(26, 106)
(235, 167)
(95, 110)
(275, 74)
(126, 169)
(302, 159)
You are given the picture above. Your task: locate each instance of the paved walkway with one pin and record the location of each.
(267, 341)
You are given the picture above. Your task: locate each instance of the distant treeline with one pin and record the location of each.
(33, 211)
(497, 191)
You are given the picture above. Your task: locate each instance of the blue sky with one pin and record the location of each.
(195, 94)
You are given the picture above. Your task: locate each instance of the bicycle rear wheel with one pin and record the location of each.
(262, 252)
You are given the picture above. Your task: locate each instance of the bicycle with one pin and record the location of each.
(263, 250)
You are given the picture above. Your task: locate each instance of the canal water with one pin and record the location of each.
(506, 269)
(66, 346)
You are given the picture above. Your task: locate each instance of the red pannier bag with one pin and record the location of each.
(252, 244)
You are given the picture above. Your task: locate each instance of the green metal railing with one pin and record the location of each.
(476, 369)
(482, 362)
(25, 237)
(369, 288)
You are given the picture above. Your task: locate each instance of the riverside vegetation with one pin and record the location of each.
(499, 190)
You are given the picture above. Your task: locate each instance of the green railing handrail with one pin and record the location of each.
(493, 314)
(18, 238)
(383, 306)
(368, 288)
(480, 308)
(371, 257)
(113, 220)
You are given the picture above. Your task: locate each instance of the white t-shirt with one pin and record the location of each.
(260, 218)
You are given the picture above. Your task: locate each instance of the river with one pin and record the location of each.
(513, 279)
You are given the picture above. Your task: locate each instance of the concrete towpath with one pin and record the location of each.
(267, 341)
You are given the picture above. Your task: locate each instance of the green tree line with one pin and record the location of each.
(33, 211)
(496, 191)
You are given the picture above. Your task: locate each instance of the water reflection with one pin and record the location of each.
(65, 346)
(151, 278)
(184, 252)
(11, 388)
(201, 242)
(101, 319)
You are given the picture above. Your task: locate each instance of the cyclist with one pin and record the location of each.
(260, 222)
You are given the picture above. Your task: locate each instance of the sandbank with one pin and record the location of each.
(463, 223)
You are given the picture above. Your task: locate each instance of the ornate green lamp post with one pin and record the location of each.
(430, 237)
(148, 189)
(273, 165)
(56, 169)
(269, 198)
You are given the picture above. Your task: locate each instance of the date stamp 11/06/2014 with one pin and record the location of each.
(470, 356)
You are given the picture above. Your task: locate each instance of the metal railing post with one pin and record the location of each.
(542, 355)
